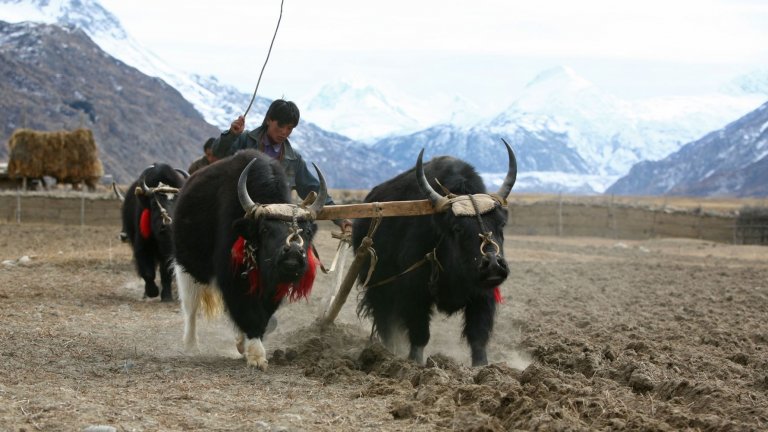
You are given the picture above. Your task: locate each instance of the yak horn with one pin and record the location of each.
(322, 193)
(242, 189)
(509, 181)
(142, 181)
(435, 198)
(120, 196)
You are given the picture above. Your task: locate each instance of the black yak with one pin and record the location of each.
(238, 237)
(147, 216)
(460, 248)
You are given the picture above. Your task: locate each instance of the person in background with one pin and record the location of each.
(271, 138)
(204, 160)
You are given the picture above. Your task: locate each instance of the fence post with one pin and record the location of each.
(560, 215)
(82, 208)
(18, 206)
(612, 217)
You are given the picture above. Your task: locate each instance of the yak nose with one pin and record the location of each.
(293, 260)
(494, 266)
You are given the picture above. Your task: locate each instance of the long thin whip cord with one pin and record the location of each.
(266, 60)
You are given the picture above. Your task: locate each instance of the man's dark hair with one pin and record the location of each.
(208, 144)
(285, 112)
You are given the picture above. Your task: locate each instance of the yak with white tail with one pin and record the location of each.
(238, 236)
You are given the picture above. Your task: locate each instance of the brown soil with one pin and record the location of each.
(593, 334)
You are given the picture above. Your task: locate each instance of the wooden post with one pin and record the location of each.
(18, 205)
(346, 286)
(82, 209)
(560, 215)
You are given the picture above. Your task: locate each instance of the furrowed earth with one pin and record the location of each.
(593, 334)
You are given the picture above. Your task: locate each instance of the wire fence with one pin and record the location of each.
(588, 217)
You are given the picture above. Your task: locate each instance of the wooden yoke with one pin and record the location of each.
(370, 210)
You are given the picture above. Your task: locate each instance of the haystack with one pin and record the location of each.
(67, 156)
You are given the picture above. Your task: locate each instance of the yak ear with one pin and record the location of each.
(241, 227)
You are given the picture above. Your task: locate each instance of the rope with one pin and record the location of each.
(486, 235)
(266, 60)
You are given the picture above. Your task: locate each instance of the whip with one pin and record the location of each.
(266, 60)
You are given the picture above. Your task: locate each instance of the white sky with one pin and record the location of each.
(484, 50)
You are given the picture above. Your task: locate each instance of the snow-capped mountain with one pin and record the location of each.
(217, 102)
(367, 111)
(56, 77)
(354, 167)
(752, 83)
(611, 134)
(569, 135)
(731, 161)
(572, 137)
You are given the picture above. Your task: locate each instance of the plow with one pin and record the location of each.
(344, 282)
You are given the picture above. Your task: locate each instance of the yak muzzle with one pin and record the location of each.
(292, 262)
(493, 269)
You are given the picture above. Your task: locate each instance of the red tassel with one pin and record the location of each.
(238, 252)
(497, 295)
(238, 259)
(145, 224)
(306, 282)
(293, 291)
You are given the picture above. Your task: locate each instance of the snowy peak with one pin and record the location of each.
(559, 79)
(753, 83)
(218, 108)
(358, 110)
(560, 91)
(88, 15)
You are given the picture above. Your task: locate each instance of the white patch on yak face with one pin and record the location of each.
(168, 195)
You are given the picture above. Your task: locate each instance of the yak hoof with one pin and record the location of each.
(417, 354)
(166, 297)
(151, 291)
(255, 354)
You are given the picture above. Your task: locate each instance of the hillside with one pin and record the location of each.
(731, 161)
(57, 78)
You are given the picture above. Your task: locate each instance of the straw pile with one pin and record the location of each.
(67, 156)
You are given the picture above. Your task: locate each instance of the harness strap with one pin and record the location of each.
(430, 257)
(390, 279)
(167, 220)
(486, 235)
(367, 243)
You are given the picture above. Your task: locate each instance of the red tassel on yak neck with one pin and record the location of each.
(238, 258)
(145, 224)
(497, 295)
(293, 291)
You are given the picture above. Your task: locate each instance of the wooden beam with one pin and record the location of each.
(369, 210)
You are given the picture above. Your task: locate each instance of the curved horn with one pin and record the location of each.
(142, 181)
(426, 189)
(242, 190)
(117, 192)
(509, 181)
(322, 193)
(183, 173)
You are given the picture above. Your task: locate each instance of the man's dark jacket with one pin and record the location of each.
(299, 176)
